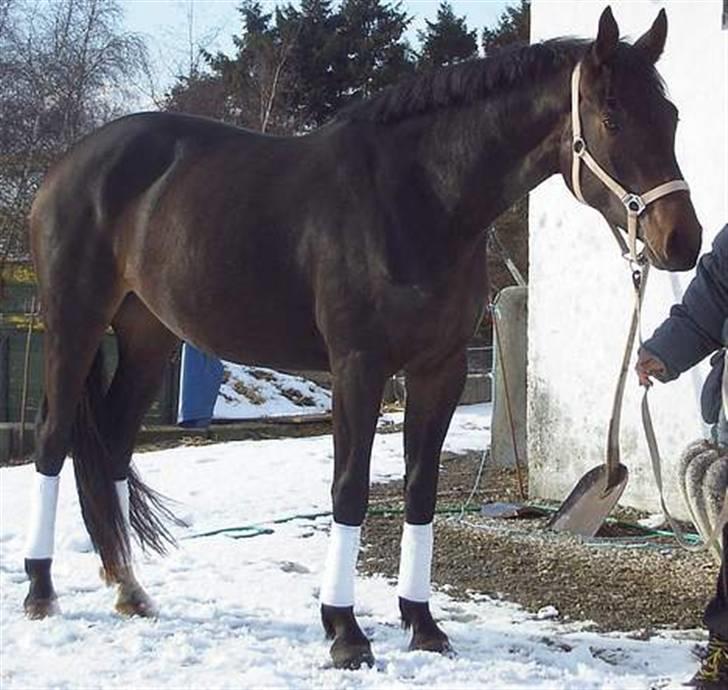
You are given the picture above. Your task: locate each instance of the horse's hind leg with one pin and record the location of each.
(431, 400)
(145, 345)
(70, 344)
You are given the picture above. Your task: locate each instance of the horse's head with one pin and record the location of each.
(628, 130)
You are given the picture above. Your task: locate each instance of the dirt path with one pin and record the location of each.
(620, 583)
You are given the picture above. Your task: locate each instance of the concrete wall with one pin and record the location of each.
(580, 294)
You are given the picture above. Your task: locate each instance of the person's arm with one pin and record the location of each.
(694, 328)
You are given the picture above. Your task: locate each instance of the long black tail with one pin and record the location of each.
(94, 468)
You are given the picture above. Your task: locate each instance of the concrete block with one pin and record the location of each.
(509, 389)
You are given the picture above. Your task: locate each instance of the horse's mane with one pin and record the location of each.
(476, 79)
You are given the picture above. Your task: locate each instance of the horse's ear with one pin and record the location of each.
(652, 43)
(607, 37)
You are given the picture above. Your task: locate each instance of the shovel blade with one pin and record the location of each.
(590, 502)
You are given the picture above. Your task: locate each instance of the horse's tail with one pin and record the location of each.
(94, 469)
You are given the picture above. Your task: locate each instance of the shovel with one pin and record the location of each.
(594, 497)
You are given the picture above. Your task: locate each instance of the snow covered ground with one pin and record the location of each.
(251, 392)
(243, 613)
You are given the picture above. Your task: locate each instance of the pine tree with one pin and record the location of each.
(319, 62)
(257, 80)
(447, 40)
(513, 27)
(377, 53)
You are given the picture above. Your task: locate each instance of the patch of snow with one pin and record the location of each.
(546, 612)
(653, 521)
(250, 392)
(244, 613)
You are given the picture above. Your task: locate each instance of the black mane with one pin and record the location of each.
(474, 80)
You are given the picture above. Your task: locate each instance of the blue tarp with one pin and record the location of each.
(200, 379)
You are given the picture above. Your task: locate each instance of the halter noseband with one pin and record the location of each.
(634, 204)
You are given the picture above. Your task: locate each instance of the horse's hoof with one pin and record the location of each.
(350, 655)
(351, 649)
(426, 634)
(135, 602)
(438, 644)
(38, 609)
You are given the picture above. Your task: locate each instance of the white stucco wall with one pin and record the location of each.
(580, 294)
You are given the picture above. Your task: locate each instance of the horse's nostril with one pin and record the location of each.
(682, 249)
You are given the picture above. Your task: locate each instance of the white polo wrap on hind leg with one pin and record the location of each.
(122, 492)
(337, 588)
(415, 562)
(43, 504)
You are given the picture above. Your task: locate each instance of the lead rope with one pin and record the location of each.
(713, 538)
(640, 272)
(634, 204)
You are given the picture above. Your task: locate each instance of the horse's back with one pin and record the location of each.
(87, 204)
(110, 167)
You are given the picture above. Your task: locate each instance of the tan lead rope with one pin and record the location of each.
(655, 458)
(634, 205)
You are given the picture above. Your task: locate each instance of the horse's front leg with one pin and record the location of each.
(431, 399)
(357, 394)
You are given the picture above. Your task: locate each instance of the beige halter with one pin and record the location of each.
(634, 204)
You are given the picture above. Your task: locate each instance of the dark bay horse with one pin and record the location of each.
(358, 248)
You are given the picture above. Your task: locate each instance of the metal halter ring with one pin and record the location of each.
(634, 203)
(579, 146)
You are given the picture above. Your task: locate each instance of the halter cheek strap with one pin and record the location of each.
(633, 203)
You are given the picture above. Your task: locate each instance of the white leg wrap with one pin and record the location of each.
(122, 491)
(337, 588)
(44, 501)
(415, 562)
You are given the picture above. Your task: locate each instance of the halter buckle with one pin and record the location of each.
(634, 204)
(578, 146)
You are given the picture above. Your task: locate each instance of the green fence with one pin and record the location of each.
(13, 377)
(18, 300)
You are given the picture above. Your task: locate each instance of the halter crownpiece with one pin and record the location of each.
(633, 203)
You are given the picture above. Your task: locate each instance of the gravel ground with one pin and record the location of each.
(619, 581)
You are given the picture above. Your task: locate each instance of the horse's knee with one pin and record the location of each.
(350, 497)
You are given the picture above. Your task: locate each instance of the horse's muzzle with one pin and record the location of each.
(674, 235)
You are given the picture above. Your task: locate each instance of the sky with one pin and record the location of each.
(165, 25)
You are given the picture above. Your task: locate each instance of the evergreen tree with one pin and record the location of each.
(319, 64)
(513, 26)
(257, 81)
(294, 68)
(447, 40)
(377, 54)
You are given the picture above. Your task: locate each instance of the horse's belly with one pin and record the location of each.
(267, 326)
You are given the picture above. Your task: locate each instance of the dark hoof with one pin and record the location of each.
(439, 645)
(38, 609)
(351, 656)
(41, 601)
(351, 649)
(426, 635)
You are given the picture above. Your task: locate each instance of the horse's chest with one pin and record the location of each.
(420, 320)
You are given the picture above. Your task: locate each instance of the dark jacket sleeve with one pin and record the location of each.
(694, 328)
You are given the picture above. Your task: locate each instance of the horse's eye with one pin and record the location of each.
(610, 124)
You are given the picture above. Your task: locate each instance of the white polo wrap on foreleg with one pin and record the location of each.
(337, 588)
(43, 504)
(415, 562)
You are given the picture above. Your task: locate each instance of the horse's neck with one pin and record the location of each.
(482, 158)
